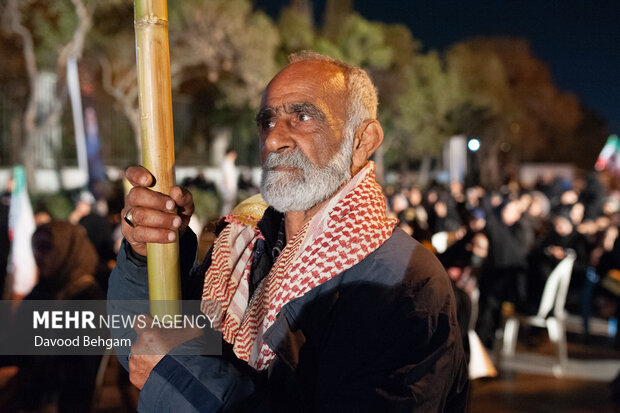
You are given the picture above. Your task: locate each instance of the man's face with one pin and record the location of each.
(301, 124)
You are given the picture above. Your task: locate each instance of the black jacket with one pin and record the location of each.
(382, 336)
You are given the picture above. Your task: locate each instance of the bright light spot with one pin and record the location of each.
(473, 145)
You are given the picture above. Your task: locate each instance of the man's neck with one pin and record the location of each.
(294, 220)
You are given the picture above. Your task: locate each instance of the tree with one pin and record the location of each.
(221, 45)
(540, 116)
(49, 35)
(297, 32)
(13, 96)
(223, 53)
(516, 103)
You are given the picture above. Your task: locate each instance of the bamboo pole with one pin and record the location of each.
(155, 98)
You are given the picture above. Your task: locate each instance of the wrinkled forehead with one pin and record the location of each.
(313, 81)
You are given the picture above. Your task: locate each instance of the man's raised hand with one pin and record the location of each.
(154, 216)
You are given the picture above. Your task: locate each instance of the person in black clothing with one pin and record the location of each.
(592, 196)
(553, 249)
(66, 260)
(344, 343)
(443, 217)
(99, 232)
(538, 214)
(608, 269)
(415, 217)
(503, 277)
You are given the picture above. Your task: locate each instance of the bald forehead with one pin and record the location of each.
(309, 83)
(323, 77)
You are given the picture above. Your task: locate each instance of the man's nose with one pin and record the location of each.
(280, 138)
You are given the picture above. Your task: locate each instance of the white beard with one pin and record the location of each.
(306, 185)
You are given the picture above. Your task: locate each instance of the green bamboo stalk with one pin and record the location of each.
(155, 97)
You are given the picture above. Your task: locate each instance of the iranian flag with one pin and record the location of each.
(21, 267)
(609, 158)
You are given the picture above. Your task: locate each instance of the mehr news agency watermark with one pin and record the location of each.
(94, 327)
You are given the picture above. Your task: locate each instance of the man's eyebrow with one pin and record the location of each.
(307, 108)
(264, 114)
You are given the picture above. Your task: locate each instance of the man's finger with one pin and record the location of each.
(143, 197)
(152, 235)
(153, 218)
(139, 176)
(183, 199)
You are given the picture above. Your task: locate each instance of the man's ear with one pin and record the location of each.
(368, 136)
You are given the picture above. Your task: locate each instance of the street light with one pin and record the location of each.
(473, 172)
(473, 145)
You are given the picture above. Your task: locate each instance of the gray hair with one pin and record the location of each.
(362, 99)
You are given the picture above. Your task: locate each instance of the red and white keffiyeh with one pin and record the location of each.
(350, 226)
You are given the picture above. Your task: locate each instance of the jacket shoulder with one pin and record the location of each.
(403, 261)
(407, 259)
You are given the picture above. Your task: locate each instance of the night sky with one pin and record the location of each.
(579, 39)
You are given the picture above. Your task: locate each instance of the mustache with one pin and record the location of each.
(294, 159)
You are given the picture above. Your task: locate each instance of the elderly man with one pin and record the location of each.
(323, 304)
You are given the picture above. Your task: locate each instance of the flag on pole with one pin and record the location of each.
(609, 158)
(96, 169)
(21, 267)
(73, 84)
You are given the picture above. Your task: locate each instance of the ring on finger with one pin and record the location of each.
(128, 217)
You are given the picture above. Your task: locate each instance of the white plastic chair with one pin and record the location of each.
(551, 314)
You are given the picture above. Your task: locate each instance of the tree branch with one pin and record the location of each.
(126, 96)
(14, 18)
(75, 47)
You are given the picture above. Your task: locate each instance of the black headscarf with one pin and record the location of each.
(64, 256)
(66, 261)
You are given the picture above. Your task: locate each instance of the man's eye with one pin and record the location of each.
(303, 117)
(268, 124)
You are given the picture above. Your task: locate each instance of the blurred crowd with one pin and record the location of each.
(500, 246)
(75, 252)
(497, 246)
(74, 258)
